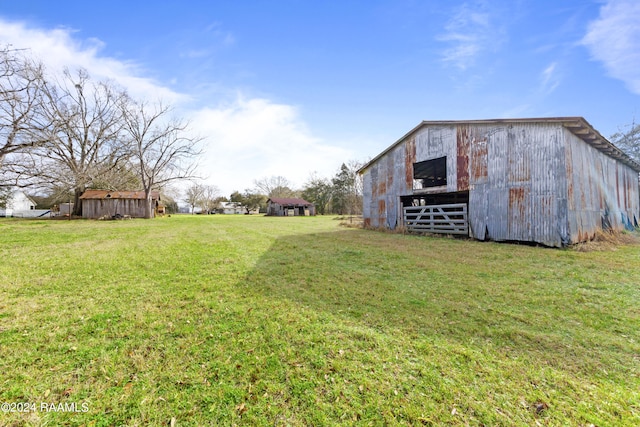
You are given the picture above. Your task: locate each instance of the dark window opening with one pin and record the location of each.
(430, 173)
(435, 199)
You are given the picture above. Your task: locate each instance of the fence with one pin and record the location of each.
(448, 219)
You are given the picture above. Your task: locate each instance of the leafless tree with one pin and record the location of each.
(628, 140)
(210, 197)
(193, 195)
(22, 123)
(162, 148)
(86, 139)
(274, 186)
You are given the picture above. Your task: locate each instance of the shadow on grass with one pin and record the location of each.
(517, 300)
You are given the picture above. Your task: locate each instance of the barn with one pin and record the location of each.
(552, 181)
(277, 206)
(116, 204)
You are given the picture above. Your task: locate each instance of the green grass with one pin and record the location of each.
(236, 320)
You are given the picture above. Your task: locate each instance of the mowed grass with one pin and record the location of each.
(237, 320)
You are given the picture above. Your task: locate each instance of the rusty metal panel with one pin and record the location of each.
(409, 160)
(366, 197)
(518, 155)
(602, 190)
(463, 143)
(497, 225)
(528, 180)
(434, 142)
(370, 195)
(497, 152)
(479, 161)
(478, 211)
(519, 214)
(383, 183)
(513, 168)
(439, 141)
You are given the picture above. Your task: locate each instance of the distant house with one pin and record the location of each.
(18, 204)
(231, 208)
(289, 207)
(116, 204)
(234, 208)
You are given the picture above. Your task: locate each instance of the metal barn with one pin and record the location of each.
(116, 204)
(277, 206)
(553, 181)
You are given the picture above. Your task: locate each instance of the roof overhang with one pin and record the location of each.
(576, 125)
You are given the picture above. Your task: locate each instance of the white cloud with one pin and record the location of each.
(549, 79)
(245, 140)
(58, 49)
(614, 39)
(470, 32)
(256, 138)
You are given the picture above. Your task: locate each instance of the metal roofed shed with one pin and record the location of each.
(277, 206)
(553, 181)
(116, 204)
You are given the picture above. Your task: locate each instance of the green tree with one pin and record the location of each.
(318, 191)
(342, 184)
(250, 200)
(347, 190)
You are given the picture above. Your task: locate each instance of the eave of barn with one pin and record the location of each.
(515, 172)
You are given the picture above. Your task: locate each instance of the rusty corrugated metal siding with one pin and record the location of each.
(598, 188)
(97, 208)
(535, 180)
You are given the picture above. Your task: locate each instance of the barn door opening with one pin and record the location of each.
(445, 213)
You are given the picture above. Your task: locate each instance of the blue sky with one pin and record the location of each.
(293, 87)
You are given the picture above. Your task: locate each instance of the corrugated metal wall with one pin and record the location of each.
(97, 208)
(529, 181)
(598, 188)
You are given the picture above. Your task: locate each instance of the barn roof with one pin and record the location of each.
(577, 125)
(106, 194)
(290, 201)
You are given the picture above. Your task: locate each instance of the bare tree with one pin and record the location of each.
(628, 140)
(22, 124)
(162, 149)
(210, 197)
(85, 142)
(193, 195)
(275, 186)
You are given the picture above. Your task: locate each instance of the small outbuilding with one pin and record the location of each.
(553, 181)
(289, 207)
(116, 204)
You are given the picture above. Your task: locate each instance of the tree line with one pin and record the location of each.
(340, 194)
(65, 133)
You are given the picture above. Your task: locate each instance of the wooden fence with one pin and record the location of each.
(448, 219)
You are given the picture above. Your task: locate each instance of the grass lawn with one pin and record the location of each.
(237, 320)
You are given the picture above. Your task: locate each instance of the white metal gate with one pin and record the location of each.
(448, 219)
